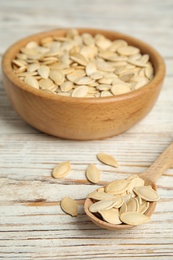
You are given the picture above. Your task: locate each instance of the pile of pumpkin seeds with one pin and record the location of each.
(120, 202)
(123, 201)
(83, 65)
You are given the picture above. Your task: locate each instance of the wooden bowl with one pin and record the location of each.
(81, 118)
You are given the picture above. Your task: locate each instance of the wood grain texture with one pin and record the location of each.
(32, 225)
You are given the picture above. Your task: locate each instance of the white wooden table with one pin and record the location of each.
(32, 225)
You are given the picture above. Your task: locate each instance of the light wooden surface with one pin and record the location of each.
(32, 225)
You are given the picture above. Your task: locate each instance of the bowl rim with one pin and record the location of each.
(14, 48)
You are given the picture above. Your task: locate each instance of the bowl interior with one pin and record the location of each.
(155, 58)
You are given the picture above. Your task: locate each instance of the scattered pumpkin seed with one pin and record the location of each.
(93, 173)
(107, 159)
(61, 170)
(69, 206)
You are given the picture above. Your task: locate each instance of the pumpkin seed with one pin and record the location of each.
(69, 206)
(102, 42)
(61, 170)
(33, 67)
(100, 195)
(146, 193)
(90, 68)
(101, 189)
(79, 58)
(123, 208)
(93, 173)
(133, 218)
(106, 93)
(66, 86)
(44, 71)
(46, 83)
(88, 39)
(143, 207)
(57, 76)
(107, 159)
(84, 81)
(31, 45)
(111, 216)
(32, 82)
(103, 204)
(103, 87)
(118, 89)
(119, 201)
(128, 50)
(80, 91)
(132, 205)
(135, 182)
(117, 187)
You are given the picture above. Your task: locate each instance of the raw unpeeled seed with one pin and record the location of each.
(69, 206)
(107, 159)
(61, 170)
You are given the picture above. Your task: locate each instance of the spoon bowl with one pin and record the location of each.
(150, 176)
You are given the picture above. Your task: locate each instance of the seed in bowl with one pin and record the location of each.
(83, 65)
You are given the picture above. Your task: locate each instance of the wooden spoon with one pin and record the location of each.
(150, 177)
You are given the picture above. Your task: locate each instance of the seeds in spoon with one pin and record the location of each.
(133, 218)
(135, 182)
(69, 206)
(103, 204)
(118, 201)
(147, 193)
(132, 205)
(107, 159)
(97, 195)
(129, 196)
(111, 216)
(123, 208)
(117, 187)
(144, 206)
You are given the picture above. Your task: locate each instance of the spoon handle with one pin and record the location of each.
(163, 162)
